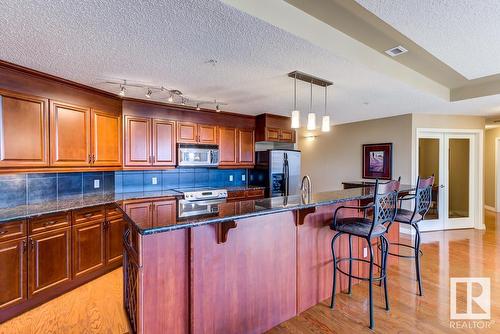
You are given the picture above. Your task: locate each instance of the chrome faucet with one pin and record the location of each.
(306, 187)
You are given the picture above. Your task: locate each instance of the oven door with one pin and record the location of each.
(198, 208)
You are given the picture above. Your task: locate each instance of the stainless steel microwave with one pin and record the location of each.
(198, 155)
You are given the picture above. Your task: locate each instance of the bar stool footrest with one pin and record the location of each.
(402, 245)
(345, 259)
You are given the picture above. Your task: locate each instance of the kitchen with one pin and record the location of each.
(201, 174)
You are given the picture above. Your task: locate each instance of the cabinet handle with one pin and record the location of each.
(49, 223)
(87, 215)
(24, 246)
(32, 244)
(153, 158)
(3, 232)
(90, 158)
(93, 158)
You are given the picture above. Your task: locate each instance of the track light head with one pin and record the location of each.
(170, 98)
(198, 107)
(123, 90)
(149, 92)
(217, 109)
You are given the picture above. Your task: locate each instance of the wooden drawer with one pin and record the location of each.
(113, 212)
(49, 222)
(95, 213)
(237, 194)
(255, 193)
(12, 230)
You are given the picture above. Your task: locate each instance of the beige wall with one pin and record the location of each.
(447, 121)
(489, 166)
(336, 156)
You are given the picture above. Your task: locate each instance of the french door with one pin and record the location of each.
(451, 157)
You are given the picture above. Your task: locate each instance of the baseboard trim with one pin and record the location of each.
(490, 208)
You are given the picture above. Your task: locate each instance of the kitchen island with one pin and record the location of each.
(244, 269)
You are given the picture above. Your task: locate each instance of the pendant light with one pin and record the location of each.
(325, 122)
(311, 117)
(295, 112)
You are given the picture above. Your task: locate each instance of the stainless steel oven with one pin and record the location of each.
(200, 202)
(195, 155)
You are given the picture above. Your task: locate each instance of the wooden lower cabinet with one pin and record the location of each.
(13, 275)
(52, 254)
(88, 247)
(49, 260)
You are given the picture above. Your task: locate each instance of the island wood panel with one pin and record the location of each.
(164, 283)
(164, 143)
(248, 283)
(137, 141)
(314, 256)
(69, 135)
(106, 138)
(24, 133)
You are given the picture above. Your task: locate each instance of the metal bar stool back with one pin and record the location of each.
(384, 206)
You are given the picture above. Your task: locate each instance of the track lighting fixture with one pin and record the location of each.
(325, 122)
(123, 90)
(170, 98)
(148, 94)
(311, 117)
(295, 112)
(217, 109)
(198, 107)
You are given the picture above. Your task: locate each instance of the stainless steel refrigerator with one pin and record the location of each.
(278, 171)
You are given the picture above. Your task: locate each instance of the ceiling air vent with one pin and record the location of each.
(396, 51)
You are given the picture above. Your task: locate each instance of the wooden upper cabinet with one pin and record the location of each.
(13, 276)
(163, 143)
(24, 134)
(49, 260)
(227, 146)
(106, 138)
(246, 143)
(69, 135)
(274, 128)
(137, 141)
(187, 132)
(207, 134)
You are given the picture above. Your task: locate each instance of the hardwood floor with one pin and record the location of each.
(97, 306)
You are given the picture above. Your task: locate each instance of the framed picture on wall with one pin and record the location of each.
(377, 161)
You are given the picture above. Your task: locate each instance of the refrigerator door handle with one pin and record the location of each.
(286, 179)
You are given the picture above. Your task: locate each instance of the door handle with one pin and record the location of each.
(90, 159)
(93, 158)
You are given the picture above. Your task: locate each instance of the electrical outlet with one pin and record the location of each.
(97, 184)
(243, 177)
(231, 178)
(154, 180)
(365, 252)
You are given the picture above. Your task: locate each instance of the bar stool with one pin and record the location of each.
(384, 207)
(422, 201)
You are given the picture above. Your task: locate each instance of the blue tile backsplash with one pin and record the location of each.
(20, 189)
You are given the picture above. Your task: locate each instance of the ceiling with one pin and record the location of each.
(462, 34)
(168, 43)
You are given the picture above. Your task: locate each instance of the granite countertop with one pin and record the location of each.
(234, 210)
(77, 202)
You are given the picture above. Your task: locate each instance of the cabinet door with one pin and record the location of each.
(49, 260)
(163, 143)
(246, 151)
(24, 131)
(140, 213)
(207, 134)
(114, 240)
(13, 286)
(287, 136)
(88, 247)
(164, 212)
(69, 135)
(187, 132)
(272, 134)
(137, 141)
(106, 139)
(227, 146)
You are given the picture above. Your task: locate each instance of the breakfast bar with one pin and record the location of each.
(245, 268)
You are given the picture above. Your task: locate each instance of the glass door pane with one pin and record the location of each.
(458, 177)
(428, 164)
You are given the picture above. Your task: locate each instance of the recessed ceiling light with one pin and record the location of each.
(396, 51)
